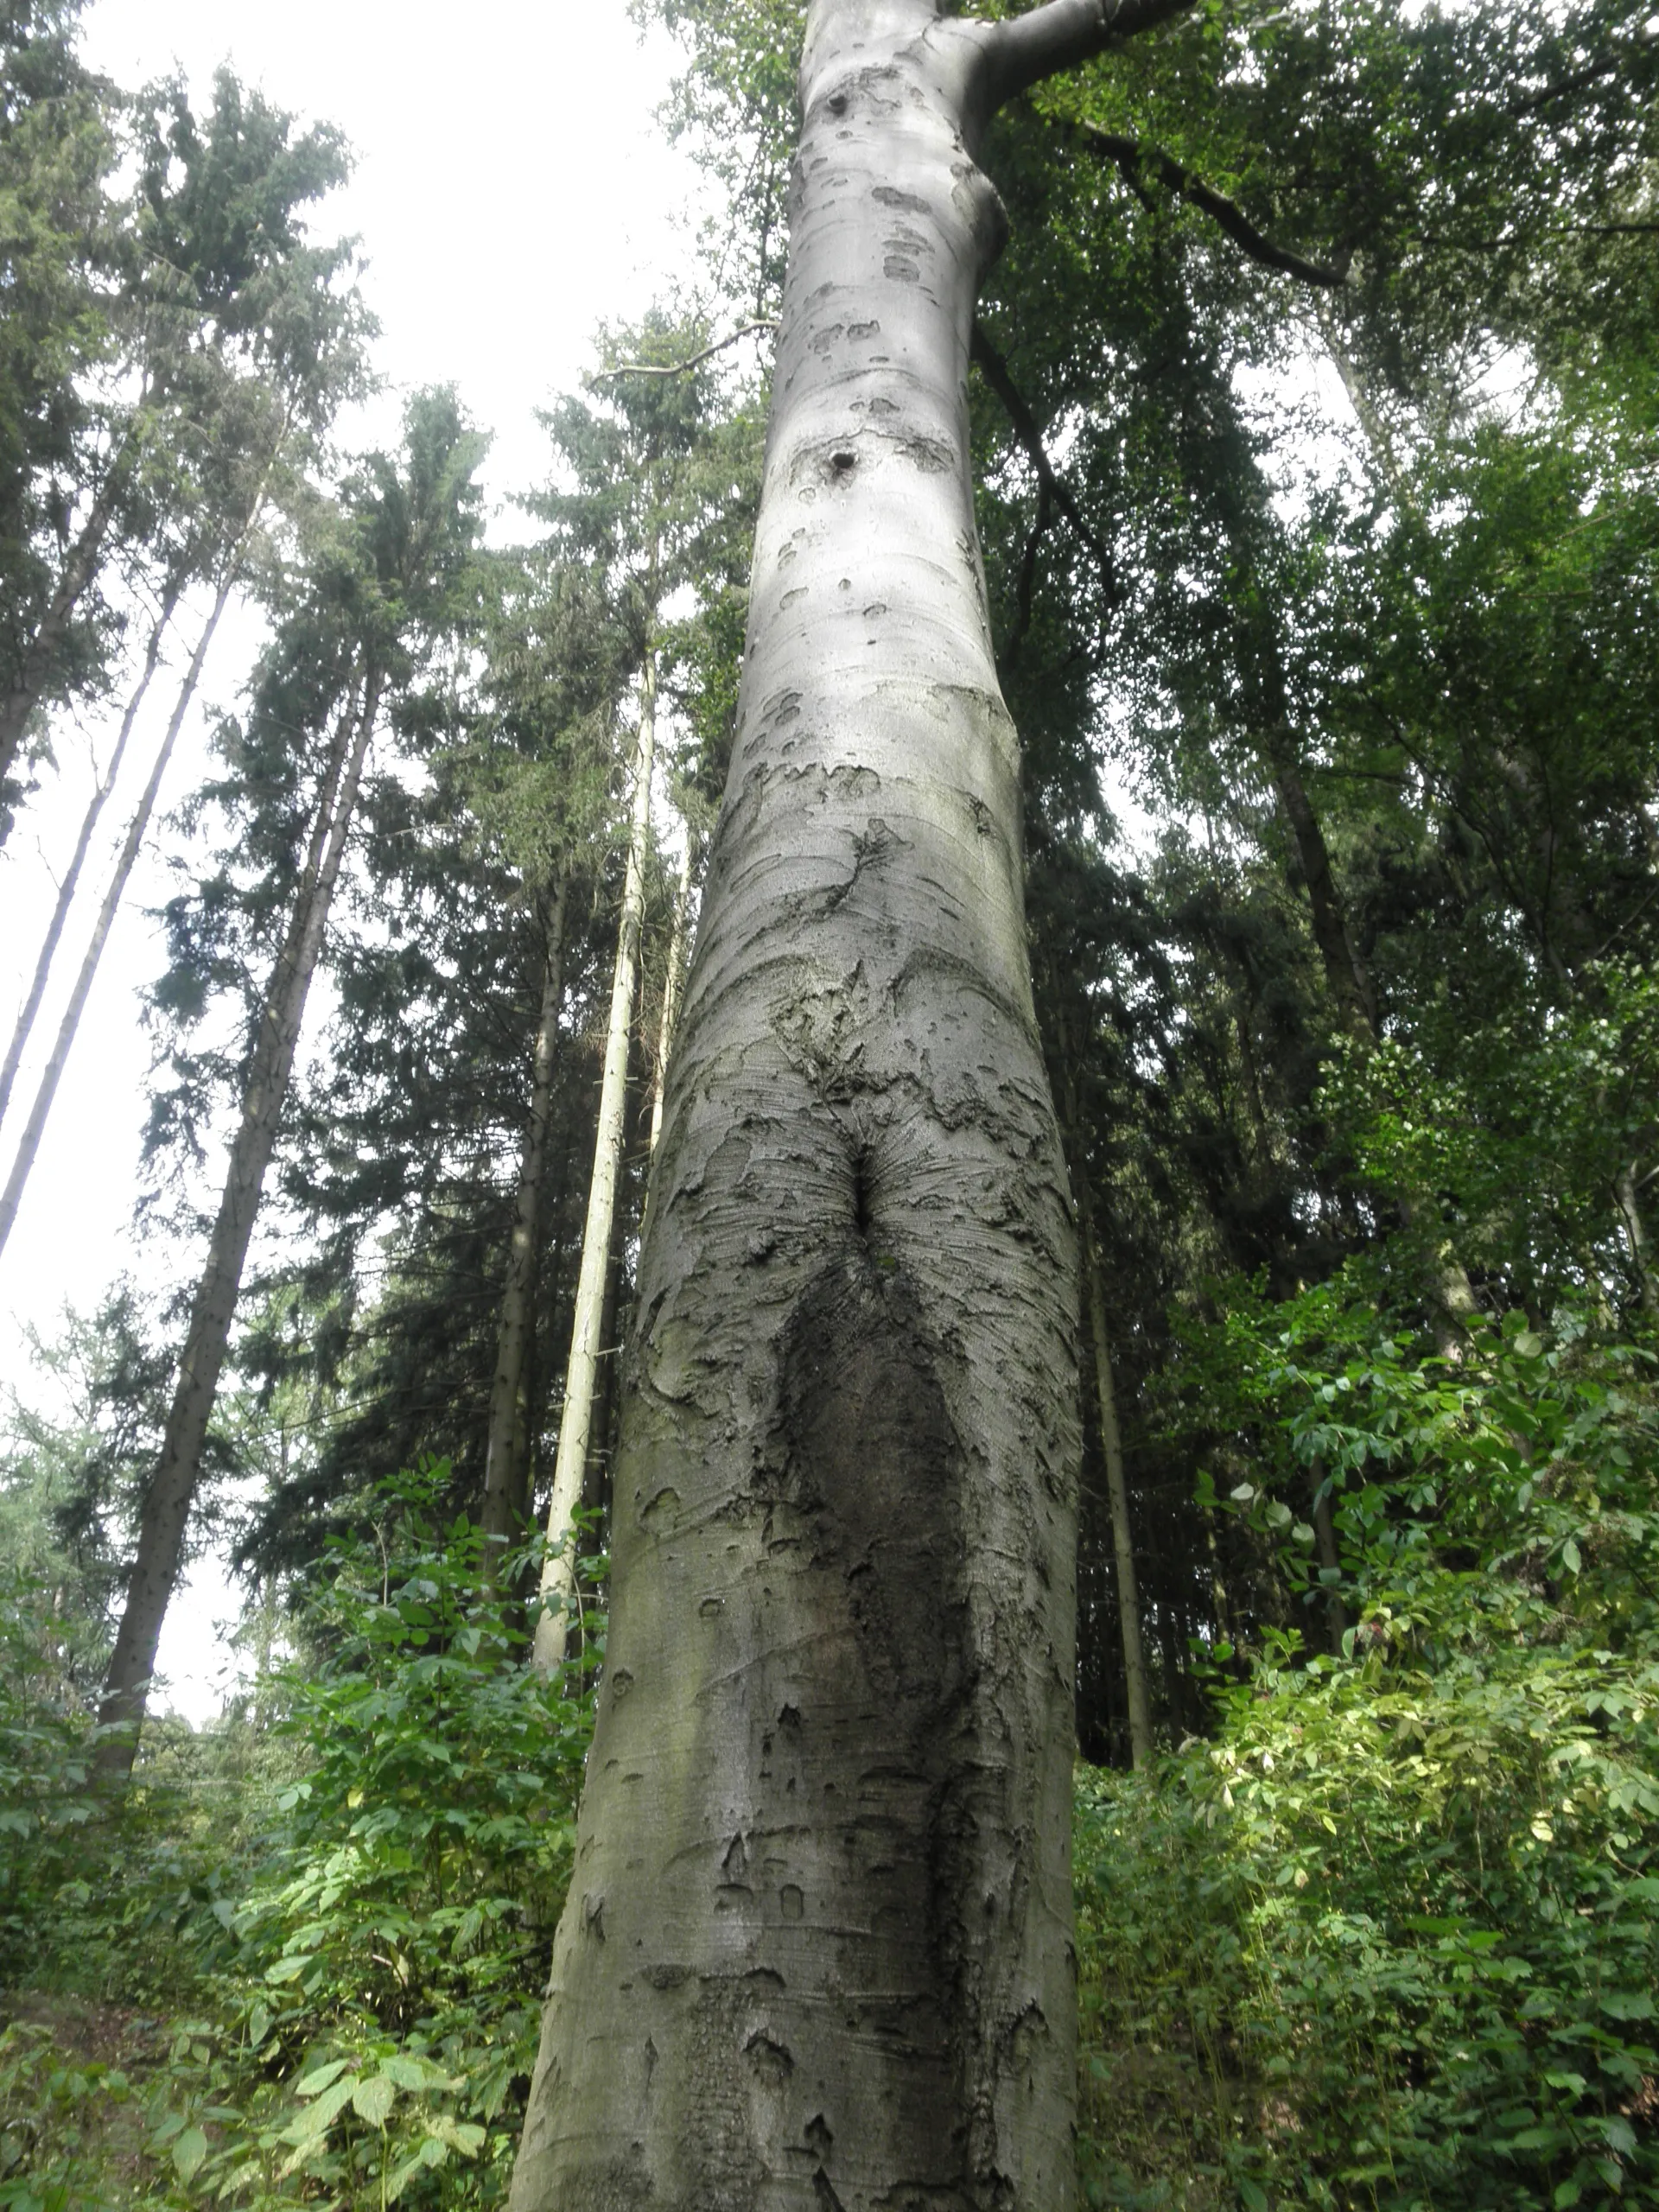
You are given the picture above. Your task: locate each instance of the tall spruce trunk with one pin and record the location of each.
(586, 1329)
(28, 1143)
(817, 1946)
(502, 1514)
(172, 1487)
(89, 821)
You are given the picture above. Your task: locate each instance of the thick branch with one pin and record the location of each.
(682, 368)
(1022, 50)
(1132, 158)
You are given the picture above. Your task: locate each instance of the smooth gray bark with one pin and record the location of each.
(1629, 1212)
(28, 1143)
(817, 1947)
(586, 1329)
(502, 1513)
(89, 821)
(172, 1487)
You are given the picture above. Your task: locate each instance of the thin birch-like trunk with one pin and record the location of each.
(31, 1006)
(501, 1514)
(671, 983)
(28, 1143)
(23, 695)
(172, 1487)
(575, 1421)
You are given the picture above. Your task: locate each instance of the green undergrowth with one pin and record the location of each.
(1383, 1941)
(320, 1941)
(1389, 1937)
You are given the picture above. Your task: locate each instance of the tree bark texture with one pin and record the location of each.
(817, 1947)
(172, 1489)
(28, 1143)
(502, 1512)
(89, 821)
(576, 1418)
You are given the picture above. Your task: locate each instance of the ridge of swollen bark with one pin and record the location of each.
(172, 1488)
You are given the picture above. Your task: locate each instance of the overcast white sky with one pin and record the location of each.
(513, 188)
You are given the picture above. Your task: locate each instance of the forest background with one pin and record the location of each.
(1314, 404)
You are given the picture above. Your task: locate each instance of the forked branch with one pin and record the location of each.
(1136, 161)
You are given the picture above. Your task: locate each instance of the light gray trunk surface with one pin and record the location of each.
(28, 1143)
(502, 1514)
(673, 979)
(817, 1948)
(89, 821)
(172, 1489)
(586, 1332)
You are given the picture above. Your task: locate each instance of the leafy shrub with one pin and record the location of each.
(1389, 1940)
(365, 1968)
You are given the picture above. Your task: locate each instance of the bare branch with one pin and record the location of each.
(682, 368)
(1132, 158)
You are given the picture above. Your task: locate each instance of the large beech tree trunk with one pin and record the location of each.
(172, 1489)
(817, 1947)
(28, 1143)
(501, 1517)
(587, 1326)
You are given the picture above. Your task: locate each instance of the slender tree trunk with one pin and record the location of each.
(23, 695)
(575, 1420)
(498, 1517)
(1111, 1435)
(172, 1489)
(1636, 1235)
(1117, 1491)
(1346, 974)
(31, 1007)
(817, 1946)
(1330, 1559)
(29, 1143)
(673, 982)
